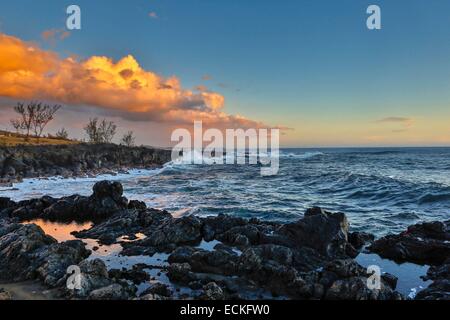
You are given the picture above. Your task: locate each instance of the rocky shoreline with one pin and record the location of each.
(75, 160)
(220, 257)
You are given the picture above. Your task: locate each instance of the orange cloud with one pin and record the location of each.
(122, 88)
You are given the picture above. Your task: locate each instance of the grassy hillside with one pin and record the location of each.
(10, 139)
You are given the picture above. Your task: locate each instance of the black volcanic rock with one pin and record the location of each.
(105, 201)
(26, 252)
(424, 243)
(323, 231)
(74, 160)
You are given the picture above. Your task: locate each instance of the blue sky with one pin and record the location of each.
(308, 65)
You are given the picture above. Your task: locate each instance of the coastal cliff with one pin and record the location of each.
(21, 162)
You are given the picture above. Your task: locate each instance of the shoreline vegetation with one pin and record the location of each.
(205, 258)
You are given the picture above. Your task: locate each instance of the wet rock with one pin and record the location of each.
(105, 201)
(360, 239)
(355, 288)
(390, 280)
(213, 291)
(126, 223)
(108, 189)
(6, 203)
(214, 226)
(216, 261)
(18, 243)
(54, 260)
(271, 266)
(439, 272)
(438, 290)
(94, 275)
(180, 273)
(112, 292)
(152, 296)
(323, 231)
(130, 249)
(138, 205)
(136, 274)
(4, 295)
(424, 243)
(345, 279)
(159, 289)
(175, 232)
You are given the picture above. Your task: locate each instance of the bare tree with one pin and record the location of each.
(17, 125)
(33, 117)
(25, 120)
(92, 131)
(108, 130)
(128, 139)
(100, 132)
(62, 134)
(43, 115)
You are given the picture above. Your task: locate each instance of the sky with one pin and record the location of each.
(311, 68)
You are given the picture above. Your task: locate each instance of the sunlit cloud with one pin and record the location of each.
(120, 88)
(153, 15)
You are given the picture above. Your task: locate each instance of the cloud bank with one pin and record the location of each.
(121, 88)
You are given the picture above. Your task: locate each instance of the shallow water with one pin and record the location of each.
(408, 274)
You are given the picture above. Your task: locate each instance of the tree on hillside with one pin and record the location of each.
(62, 134)
(33, 117)
(100, 132)
(128, 139)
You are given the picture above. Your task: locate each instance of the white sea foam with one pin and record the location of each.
(305, 155)
(60, 187)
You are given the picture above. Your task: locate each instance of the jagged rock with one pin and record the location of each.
(216, 261)
(4, 295)
(213, 226)
(180, 272)
(136, 274)
(138, 205)
(55, 259)
(438, 290)
(112, 292)
(18, 243)
(175, 232)
(323, 231)
(360, 239)
(152, 296)
(213, 291)
(355, 288)
(159, 289)
(93, 276)
(424, 243)
(5, 203)
(126, 222)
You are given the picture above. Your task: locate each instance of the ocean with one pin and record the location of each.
(382, 190)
